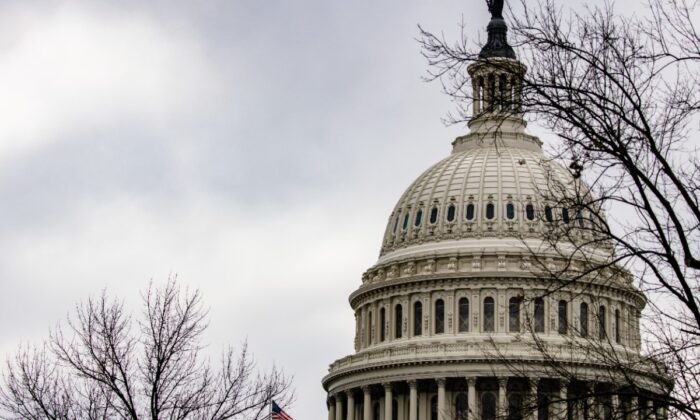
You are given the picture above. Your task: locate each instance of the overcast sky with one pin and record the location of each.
(254, 148)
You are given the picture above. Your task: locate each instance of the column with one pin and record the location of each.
(338, 408)
(442, 409)
(563, 399)
(351, 405)
(502, 401)
(331, 409)
(650, 410)
(366, 404)
(593, 406)
(534, 403)
(412, 400)
(477, 96)
(634, 408)
(388, 398)
(471, 398)
(615, 403)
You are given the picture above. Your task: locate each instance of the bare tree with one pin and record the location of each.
(622, 93)
(104, 364)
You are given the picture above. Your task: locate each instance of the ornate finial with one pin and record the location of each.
(497, 44)
(496, 8)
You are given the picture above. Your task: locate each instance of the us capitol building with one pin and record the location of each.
(450, 318)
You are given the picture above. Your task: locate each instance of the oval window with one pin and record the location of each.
(419, 217)
(405, 222)
(451, 210)
(530, 211)
(490, 211)
(470, 211)
(565, 215)
(548, 214)
(433, 215)
(510, 211)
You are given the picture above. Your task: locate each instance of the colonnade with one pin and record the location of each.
(489, 398)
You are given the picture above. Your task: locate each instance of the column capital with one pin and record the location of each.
(386, 385)
(471, 380)
(412, 383)
(366, 389)
(350, 393)
(502, 381)
(441, 381)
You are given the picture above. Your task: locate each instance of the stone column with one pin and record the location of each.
(563, 400)
(442, 414)
(338, 408)
(477, 96)
(331, 409)
(533, 398)
(412, 400)
(615, 403)
(502, 401)
(651, 415)
(634, 408)
(366, 404)
(388, 398)
(471, 398)
(351, 405)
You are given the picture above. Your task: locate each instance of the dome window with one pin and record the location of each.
(470, 211)
(417, 318)
(583, 315)
(490, 211)
(510, 211)
(382, 322)
(530, 211)
(489, 323)
(617, 326)
(439, 316)
(396, 224)
(565, 215)
(405, 221)
(398, 321)
(563, 318)
(602, 334)
(433, 215)
(463, 315)
(514, 314)
(579, 219)
(451, 212)
(419, 217)
(548, 215)
(539, 315)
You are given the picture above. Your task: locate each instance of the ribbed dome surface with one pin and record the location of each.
(483, 191)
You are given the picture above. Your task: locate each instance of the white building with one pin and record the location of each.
(452, 318)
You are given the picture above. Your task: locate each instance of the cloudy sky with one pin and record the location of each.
(253, 148)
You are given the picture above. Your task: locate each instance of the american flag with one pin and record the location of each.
(278, 413)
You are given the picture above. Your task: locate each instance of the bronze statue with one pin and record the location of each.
(496, 8)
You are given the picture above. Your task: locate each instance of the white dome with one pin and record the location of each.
(485, 189)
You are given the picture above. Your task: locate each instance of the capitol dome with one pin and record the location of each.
(469, 285)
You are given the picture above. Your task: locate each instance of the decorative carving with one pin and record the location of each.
(410, 269)
(501, 263)
(452, 264)
(525, 263)
(393, 272)
(476, 263)
(429, 266)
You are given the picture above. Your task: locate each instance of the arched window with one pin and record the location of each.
(451, 212)
(433, 215)
(470, 211)
(617, 326)
(463, 314)
(514, 314)
(548, 215)
(417, 318)
(530, 211)
(433, 408)
(398, 321)
(601, 323)
(490, 211)
(563, 317)
(419, 217)
(462, 406)
(439, 316)
(583, 315)
(489, 324)
(565, 215)
(382, 322)
(488, 406)
(539, 315)
(510, 211)
(405, 221)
